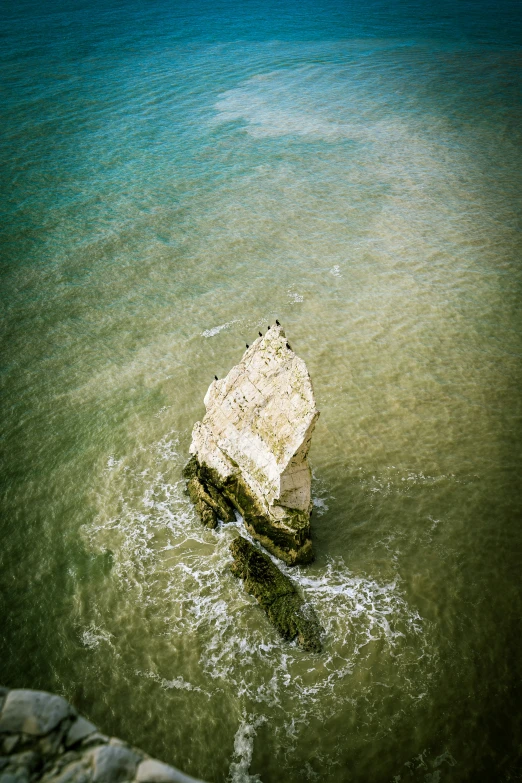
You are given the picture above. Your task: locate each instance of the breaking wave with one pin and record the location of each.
(166, 563)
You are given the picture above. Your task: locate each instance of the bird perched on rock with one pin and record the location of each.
(260, 334)
(247, 345)
(288, 346)
(277, 322)
(268, 327)
(215, 377)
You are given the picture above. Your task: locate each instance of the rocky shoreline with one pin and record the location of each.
(42, 738)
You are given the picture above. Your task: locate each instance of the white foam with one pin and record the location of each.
(217, 329)
(112, 462)
(178, 683)
(243, 750)
(162, 411)
(422, 763)
(320, 505)
(92, 636)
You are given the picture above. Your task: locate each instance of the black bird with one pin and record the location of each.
(260, 334)
(247, 345)
(277, 322)
(269, 326)
(215, 377)
(288, 346)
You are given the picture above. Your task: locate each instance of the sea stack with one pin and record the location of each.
(250, 451)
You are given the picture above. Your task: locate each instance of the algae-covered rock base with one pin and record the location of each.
(250, 450)
(42, 737)
(276, 594)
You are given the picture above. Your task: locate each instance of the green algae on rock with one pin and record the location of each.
(276, 594)
(250, 451)
(204, 490)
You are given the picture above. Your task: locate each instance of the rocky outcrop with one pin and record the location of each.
(276, 594)
(42, 738)
(250, 451)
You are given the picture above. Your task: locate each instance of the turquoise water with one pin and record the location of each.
(174, 177)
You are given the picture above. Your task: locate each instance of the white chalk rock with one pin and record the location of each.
(256, 435)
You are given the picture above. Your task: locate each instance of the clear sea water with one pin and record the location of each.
(175, 176)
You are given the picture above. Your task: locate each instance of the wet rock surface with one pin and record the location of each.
(42, 738)
(276, 594)
(205, 492)
(250, 450)
(32, 712)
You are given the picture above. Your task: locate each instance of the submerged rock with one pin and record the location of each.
(250, 451)
(276, 594)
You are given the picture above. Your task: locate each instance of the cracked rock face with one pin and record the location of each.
(250, 451)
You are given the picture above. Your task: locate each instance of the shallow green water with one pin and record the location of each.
(173, 180)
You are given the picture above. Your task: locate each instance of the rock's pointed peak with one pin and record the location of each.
(257, 431)
(272, 337)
